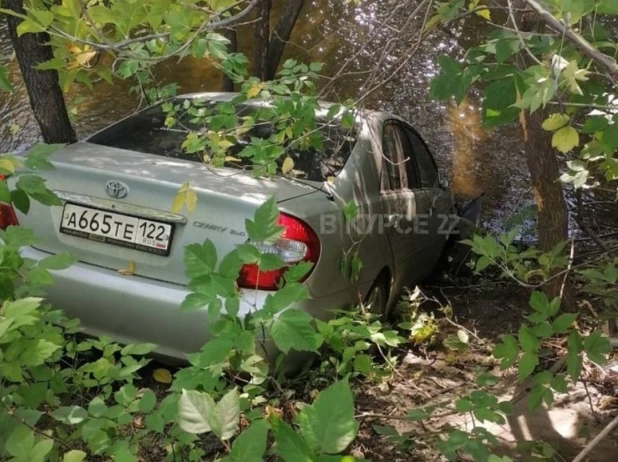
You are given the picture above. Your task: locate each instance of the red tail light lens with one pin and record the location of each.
(297, 243)
(7, 216)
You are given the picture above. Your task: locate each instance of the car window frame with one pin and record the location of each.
(403, 178)
(431, 157)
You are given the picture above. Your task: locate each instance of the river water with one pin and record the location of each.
(335, 32)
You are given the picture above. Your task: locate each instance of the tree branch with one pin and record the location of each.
(557, 25)
(210, 25)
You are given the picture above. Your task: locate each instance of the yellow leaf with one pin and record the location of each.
(162, 376)
(15, 128)
(255, 90)
(288, 165)
(184, 197)
(191, 200)
(130, 271)
(84, 58)
(179, 202)
(565, 139)
(232, 159)
(485, 14)
(331, 179)
(555, 121)
(6, 164)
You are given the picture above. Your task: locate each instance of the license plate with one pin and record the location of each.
(117, 229)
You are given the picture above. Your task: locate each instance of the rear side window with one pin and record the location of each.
(428, 172)
(147, 132)
(391, 151)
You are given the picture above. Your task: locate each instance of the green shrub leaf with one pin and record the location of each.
(328, 424)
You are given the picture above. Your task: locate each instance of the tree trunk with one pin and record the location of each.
(232, 36)
(281, 35)
(261, 37)
(44, 90)
(553, 213)
(553, 216)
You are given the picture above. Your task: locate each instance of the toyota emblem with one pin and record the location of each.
(116, 189)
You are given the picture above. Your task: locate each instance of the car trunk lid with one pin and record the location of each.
(87, 174)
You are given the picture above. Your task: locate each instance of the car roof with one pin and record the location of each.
(229, 96)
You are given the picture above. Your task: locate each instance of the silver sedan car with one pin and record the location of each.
(118, 187)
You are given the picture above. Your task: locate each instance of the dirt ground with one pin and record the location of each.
(429, 377)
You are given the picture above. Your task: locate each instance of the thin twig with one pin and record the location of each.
(590, 446)
(589, 50)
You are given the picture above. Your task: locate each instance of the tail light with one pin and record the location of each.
(7, 213)
(7, 216)
(297, 243)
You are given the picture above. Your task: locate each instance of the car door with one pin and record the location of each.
(399, 204)
(438, 200)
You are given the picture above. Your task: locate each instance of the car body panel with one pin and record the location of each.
(144, 307)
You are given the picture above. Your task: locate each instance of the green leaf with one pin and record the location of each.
(350, 210)
(20, 200)
(574, 357)
(536, 396)
(507, 350)
(539, 302)
(70, 414)
(565, 139)
(21, 307)
(5, 194)
(597, 347)
(610, 139)
(285, 297)
(527, 364)
(329, 424)
(74, 455)
(463, 405)
(200, 260)
(37, 352)
(555, 121)
(138, 349)
(250, 444)
(559, 384)
(37, 157)
(195, 301)
(5, 82)
(528, 341)
(155, 422)
(264, 228)
(224, 419)
(97, 407)
(194, 407)
(290, 446)
(563, 323)
(595, 124)
(293, 330)
(29, 26)
(363, 363)
(148, 401)
(20, 442)
(59, 261)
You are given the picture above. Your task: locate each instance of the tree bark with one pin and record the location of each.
(43, 87)
(232, 36)
(553, 212)
(281, 35)
(261, 34)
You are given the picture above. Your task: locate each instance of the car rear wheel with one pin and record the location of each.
(377, 298)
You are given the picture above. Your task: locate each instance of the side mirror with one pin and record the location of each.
(444, 184)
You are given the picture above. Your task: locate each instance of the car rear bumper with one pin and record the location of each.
(133, 309)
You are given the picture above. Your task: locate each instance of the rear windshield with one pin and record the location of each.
(147, 132)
